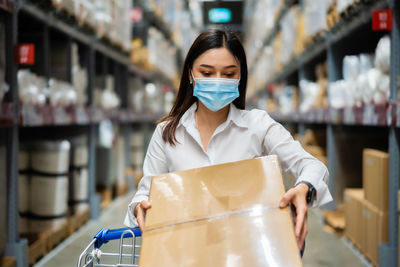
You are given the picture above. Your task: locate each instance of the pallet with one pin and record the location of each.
(349, 9)
(37, 247)
(8, 262)
(336, 220)
(57, 236)
(121, 189)
(106, 197)
(77, 220)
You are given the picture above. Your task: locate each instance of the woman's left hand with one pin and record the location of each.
(296, 196)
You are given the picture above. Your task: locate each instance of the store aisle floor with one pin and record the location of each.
(323, 249)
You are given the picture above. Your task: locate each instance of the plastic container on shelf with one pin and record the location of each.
(50, 157)
(79, 152)
(48, 198)
(79, 190)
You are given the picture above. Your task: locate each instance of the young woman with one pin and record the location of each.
(208, 124)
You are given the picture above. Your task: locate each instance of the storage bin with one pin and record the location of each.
(79, 190)
(48, 197)
(79, 152)
(51, 157)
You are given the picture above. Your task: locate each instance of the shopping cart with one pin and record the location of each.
(128, 255)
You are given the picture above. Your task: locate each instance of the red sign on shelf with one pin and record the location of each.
(382, 20)
(25, 54)
(136, 14)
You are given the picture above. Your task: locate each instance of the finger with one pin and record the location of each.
(303, 234)
(145, 204)
(301, 211)
(140, 219)
(286, 199)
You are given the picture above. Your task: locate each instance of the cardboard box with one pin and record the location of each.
(221, 215)
(376, 177)
(375, 230)
(353, 213)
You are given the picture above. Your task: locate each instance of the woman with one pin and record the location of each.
(208, 125)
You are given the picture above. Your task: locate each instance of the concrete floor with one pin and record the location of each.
(323, 248)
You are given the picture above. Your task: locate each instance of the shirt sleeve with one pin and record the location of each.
(295, 160)
(154, 163)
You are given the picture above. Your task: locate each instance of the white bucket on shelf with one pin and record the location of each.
(79, 152)
(48, 195)
(50, 156)
(41, 225)
(81, 184)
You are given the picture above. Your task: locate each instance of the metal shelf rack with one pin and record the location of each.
(16, 117)
(378, 119)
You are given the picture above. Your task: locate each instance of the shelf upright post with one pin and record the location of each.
(15, 247)
(334, 71)
(302, 76)
(94, 198)
(388, 252)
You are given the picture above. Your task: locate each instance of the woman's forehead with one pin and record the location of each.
(216, 57)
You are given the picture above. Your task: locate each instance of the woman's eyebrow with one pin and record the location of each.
(230, 66)
(207, 66)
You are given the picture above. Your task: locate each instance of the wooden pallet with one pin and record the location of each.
(336, 220)
(8, 262)
(349, 8)
(106, 197)
(37, 245)
(57, 236)
(121, 189)
(77, 220)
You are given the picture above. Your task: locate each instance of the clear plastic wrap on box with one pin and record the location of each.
(315, 13)
(382, 54)
(310, 91)
(32, 88)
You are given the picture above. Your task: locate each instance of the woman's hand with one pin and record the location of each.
(140, 212)
(297, 198)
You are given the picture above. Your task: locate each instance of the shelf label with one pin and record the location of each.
(382, 20)
(136, 14)
(24, 54)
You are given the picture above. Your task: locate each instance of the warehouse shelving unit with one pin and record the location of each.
(370, 125)
(16, 119)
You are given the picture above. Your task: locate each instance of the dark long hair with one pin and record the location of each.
(210, 39)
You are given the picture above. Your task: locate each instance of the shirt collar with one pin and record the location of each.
(234, 115)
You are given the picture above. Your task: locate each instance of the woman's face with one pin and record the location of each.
(216, 63)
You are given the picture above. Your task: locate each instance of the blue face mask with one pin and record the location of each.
(216, 93)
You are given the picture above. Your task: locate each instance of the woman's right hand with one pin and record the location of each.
(140, 213)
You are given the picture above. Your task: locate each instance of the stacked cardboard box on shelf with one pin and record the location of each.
(366, 209)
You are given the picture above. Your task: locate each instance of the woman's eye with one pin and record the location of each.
(207, 74)
(230, 75)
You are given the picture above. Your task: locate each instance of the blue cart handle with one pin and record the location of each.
(105, 235)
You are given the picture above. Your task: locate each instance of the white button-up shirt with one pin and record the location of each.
(244, 135)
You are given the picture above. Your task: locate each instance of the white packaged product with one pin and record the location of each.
(80, 185)
(310, 92)
(382, 55)
(48, 195)
(79, 152)
(339, 95)
(50, 156)
(351, 67)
